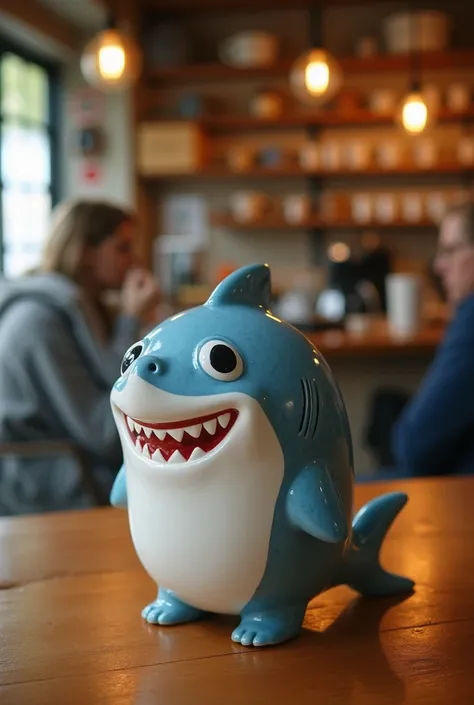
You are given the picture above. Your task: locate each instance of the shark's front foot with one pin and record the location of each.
(266, 628)
(167, 609)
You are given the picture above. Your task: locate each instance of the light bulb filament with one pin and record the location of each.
(317, 77)
(111, 62)
(415, 115)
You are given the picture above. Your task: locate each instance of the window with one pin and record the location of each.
(27, 157)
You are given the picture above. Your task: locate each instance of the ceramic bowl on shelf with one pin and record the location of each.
(251, 49)
(417, 31)
(296, 208)
(248, 206)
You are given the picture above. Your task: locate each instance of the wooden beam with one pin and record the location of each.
(42, 21)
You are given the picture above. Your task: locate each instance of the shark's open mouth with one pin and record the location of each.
(180, 441)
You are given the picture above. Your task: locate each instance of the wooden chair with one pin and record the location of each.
(29, 449)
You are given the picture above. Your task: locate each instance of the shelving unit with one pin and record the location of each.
(263, 173)
(221, 130)
(228, 222)
(351, 65)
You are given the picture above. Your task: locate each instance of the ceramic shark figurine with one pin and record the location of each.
(238, 469)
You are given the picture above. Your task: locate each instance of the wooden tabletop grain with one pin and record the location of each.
(71, 632)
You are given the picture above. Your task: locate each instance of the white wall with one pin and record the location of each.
(116, 166)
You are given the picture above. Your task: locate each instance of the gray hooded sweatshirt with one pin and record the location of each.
(55, 380)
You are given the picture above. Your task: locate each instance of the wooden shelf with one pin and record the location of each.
(351, 65)
(275, 223)
(326, 118)
(217, 172)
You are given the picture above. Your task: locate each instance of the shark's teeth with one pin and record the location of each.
(194, 431)
(176, 433)
(196, 454)
(224, 420)
(210, 426)
(144, 439)
(176, 458)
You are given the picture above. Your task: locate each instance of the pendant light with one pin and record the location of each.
(316, 76)
(414, 114)
(112, 61)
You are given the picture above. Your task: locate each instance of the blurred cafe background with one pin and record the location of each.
(328, 139)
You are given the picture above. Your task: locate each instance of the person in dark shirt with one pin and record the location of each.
(435, 433)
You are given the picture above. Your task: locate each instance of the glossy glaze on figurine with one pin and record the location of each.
(238, 469)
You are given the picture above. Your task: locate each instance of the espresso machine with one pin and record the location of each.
(355, 284)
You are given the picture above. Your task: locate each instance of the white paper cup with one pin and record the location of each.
(403, 303)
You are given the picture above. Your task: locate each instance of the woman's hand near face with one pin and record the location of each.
(140, 292)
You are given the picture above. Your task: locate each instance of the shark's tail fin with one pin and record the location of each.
(363, 571)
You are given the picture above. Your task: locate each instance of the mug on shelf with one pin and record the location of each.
(296, 208)
(248, 206)
(436, 205)
(357, 155)
(386, 207)
(249, 49)
(240, 158)
(388, 155)
(266, 105)
(309, 156)
(465, 150)
(362, 207)
(425, 153)
(383, 101)
(412, 207)
(331, 155)
(458, 97)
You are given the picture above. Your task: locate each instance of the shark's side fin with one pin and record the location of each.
(247, 286)
(313, 506)
(118, 495)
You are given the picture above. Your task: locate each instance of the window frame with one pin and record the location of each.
(52, 126)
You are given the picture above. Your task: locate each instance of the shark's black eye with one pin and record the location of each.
(221, 361)
(130, 356)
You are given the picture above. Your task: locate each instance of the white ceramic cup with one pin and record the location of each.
(403, 303)
(412, 207)
(246, 49)
(458, 97)
(296, 208)
(248, 206)
(357, 155)
(362, 207)
(310, 156)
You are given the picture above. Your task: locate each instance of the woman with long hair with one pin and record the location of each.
(60, 352)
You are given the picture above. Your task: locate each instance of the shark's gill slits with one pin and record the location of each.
(310, 409)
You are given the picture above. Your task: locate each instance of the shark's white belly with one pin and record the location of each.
(205, 535)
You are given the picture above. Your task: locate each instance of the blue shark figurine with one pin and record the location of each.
(238, 469)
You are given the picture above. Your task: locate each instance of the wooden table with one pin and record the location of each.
(71, 632)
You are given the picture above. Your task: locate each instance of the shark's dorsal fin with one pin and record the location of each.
(248, 286)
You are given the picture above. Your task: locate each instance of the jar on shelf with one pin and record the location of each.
(435, 205)
(412, 207)
(357, 155)
(362, 207)
(425, 153)
(465, 150)
(309, 156)
(386, 207)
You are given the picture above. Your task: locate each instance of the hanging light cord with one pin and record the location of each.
(415, 57)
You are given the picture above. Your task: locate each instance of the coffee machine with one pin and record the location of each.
(355, 284)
